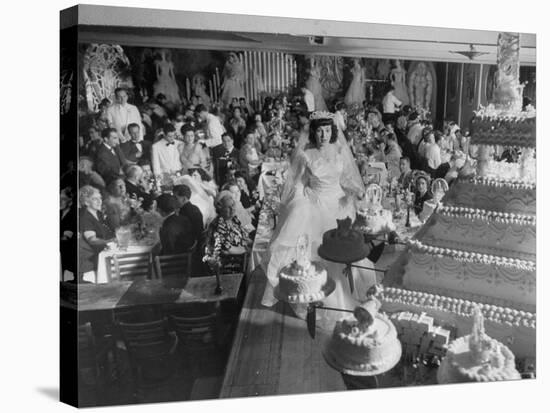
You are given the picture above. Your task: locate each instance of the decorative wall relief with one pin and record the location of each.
(104, 68)
(422, 86)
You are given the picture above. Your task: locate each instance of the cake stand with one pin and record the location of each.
(348, 262)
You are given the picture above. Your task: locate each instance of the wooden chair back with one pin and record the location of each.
(196, 330)
(176, 266)
(129, 266)
(148, 340)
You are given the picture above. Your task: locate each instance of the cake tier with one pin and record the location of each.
(469, 276)
(299, 283)
(481, 232)
(348, 248)
(493, 196)
(372, 352)
(459, 366)
(517, 328)
(504, 131)
(378, 222)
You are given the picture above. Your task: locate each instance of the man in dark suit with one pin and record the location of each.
(225, 157)
(135, 149)
(176, 233)
(109, 158)
(134, 188)
(188, 210)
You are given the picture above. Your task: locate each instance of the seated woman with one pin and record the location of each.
(117, 205)
(422, 194)
(249, 157)
(237, 125)
(95, 234)
(226, 234)
(87, 176)
(192, 153)
(244, 216)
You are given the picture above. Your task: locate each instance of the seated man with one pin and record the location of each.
(224, 157)
(189, 210)
(134, 187)
(176, 235)
(109, 158)
(165, 154)
(405, 178)
(136, 148)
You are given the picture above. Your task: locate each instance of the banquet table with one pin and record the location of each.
(123, 294)
(105, 255)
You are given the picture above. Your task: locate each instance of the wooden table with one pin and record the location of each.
(121, 294)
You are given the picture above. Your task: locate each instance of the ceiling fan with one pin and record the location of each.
(470, 54)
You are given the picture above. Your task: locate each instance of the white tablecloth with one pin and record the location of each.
(106, 254)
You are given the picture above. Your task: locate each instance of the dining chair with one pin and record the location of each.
(197, 328)
(93, 361)
(129, 266)
(151, 350)
(177, 266)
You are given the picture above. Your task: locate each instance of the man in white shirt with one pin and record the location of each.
(122, 114)
(390, 104)
(214, 127)
(309, 99)
(433, 152)
(165, 154)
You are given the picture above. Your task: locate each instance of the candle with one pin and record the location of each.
(211, 90)
(218, 77)
(188, 88)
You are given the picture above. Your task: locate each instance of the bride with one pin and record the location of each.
(322, 185)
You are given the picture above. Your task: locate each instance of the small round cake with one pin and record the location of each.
(461, 365)
(372, 221)
(302, 283)
(356, 351)
(343, 244)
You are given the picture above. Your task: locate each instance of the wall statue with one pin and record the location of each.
(356, 91)
(166, 80)
(421, 84)
(313, 84)
(398, 76)
(233, 79)
(198, 87)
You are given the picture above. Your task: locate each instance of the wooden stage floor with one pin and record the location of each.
(272, 352)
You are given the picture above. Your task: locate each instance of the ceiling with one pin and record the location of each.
(197, 30)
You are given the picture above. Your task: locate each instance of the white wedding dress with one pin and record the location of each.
(319, 190)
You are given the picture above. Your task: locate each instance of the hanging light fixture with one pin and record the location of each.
(470, 54)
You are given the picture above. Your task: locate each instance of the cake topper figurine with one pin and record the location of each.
(366, 312)
(302, 250)
(481, 346)
(373, 194)
(344, 227)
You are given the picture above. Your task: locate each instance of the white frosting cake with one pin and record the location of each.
(302, 282)
(461, 228)
(517, 328)
(493, 195)
(501, 281)
(374, 221)
(477, 357)
(371, 351)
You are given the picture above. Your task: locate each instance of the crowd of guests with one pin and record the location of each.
(125, 151)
